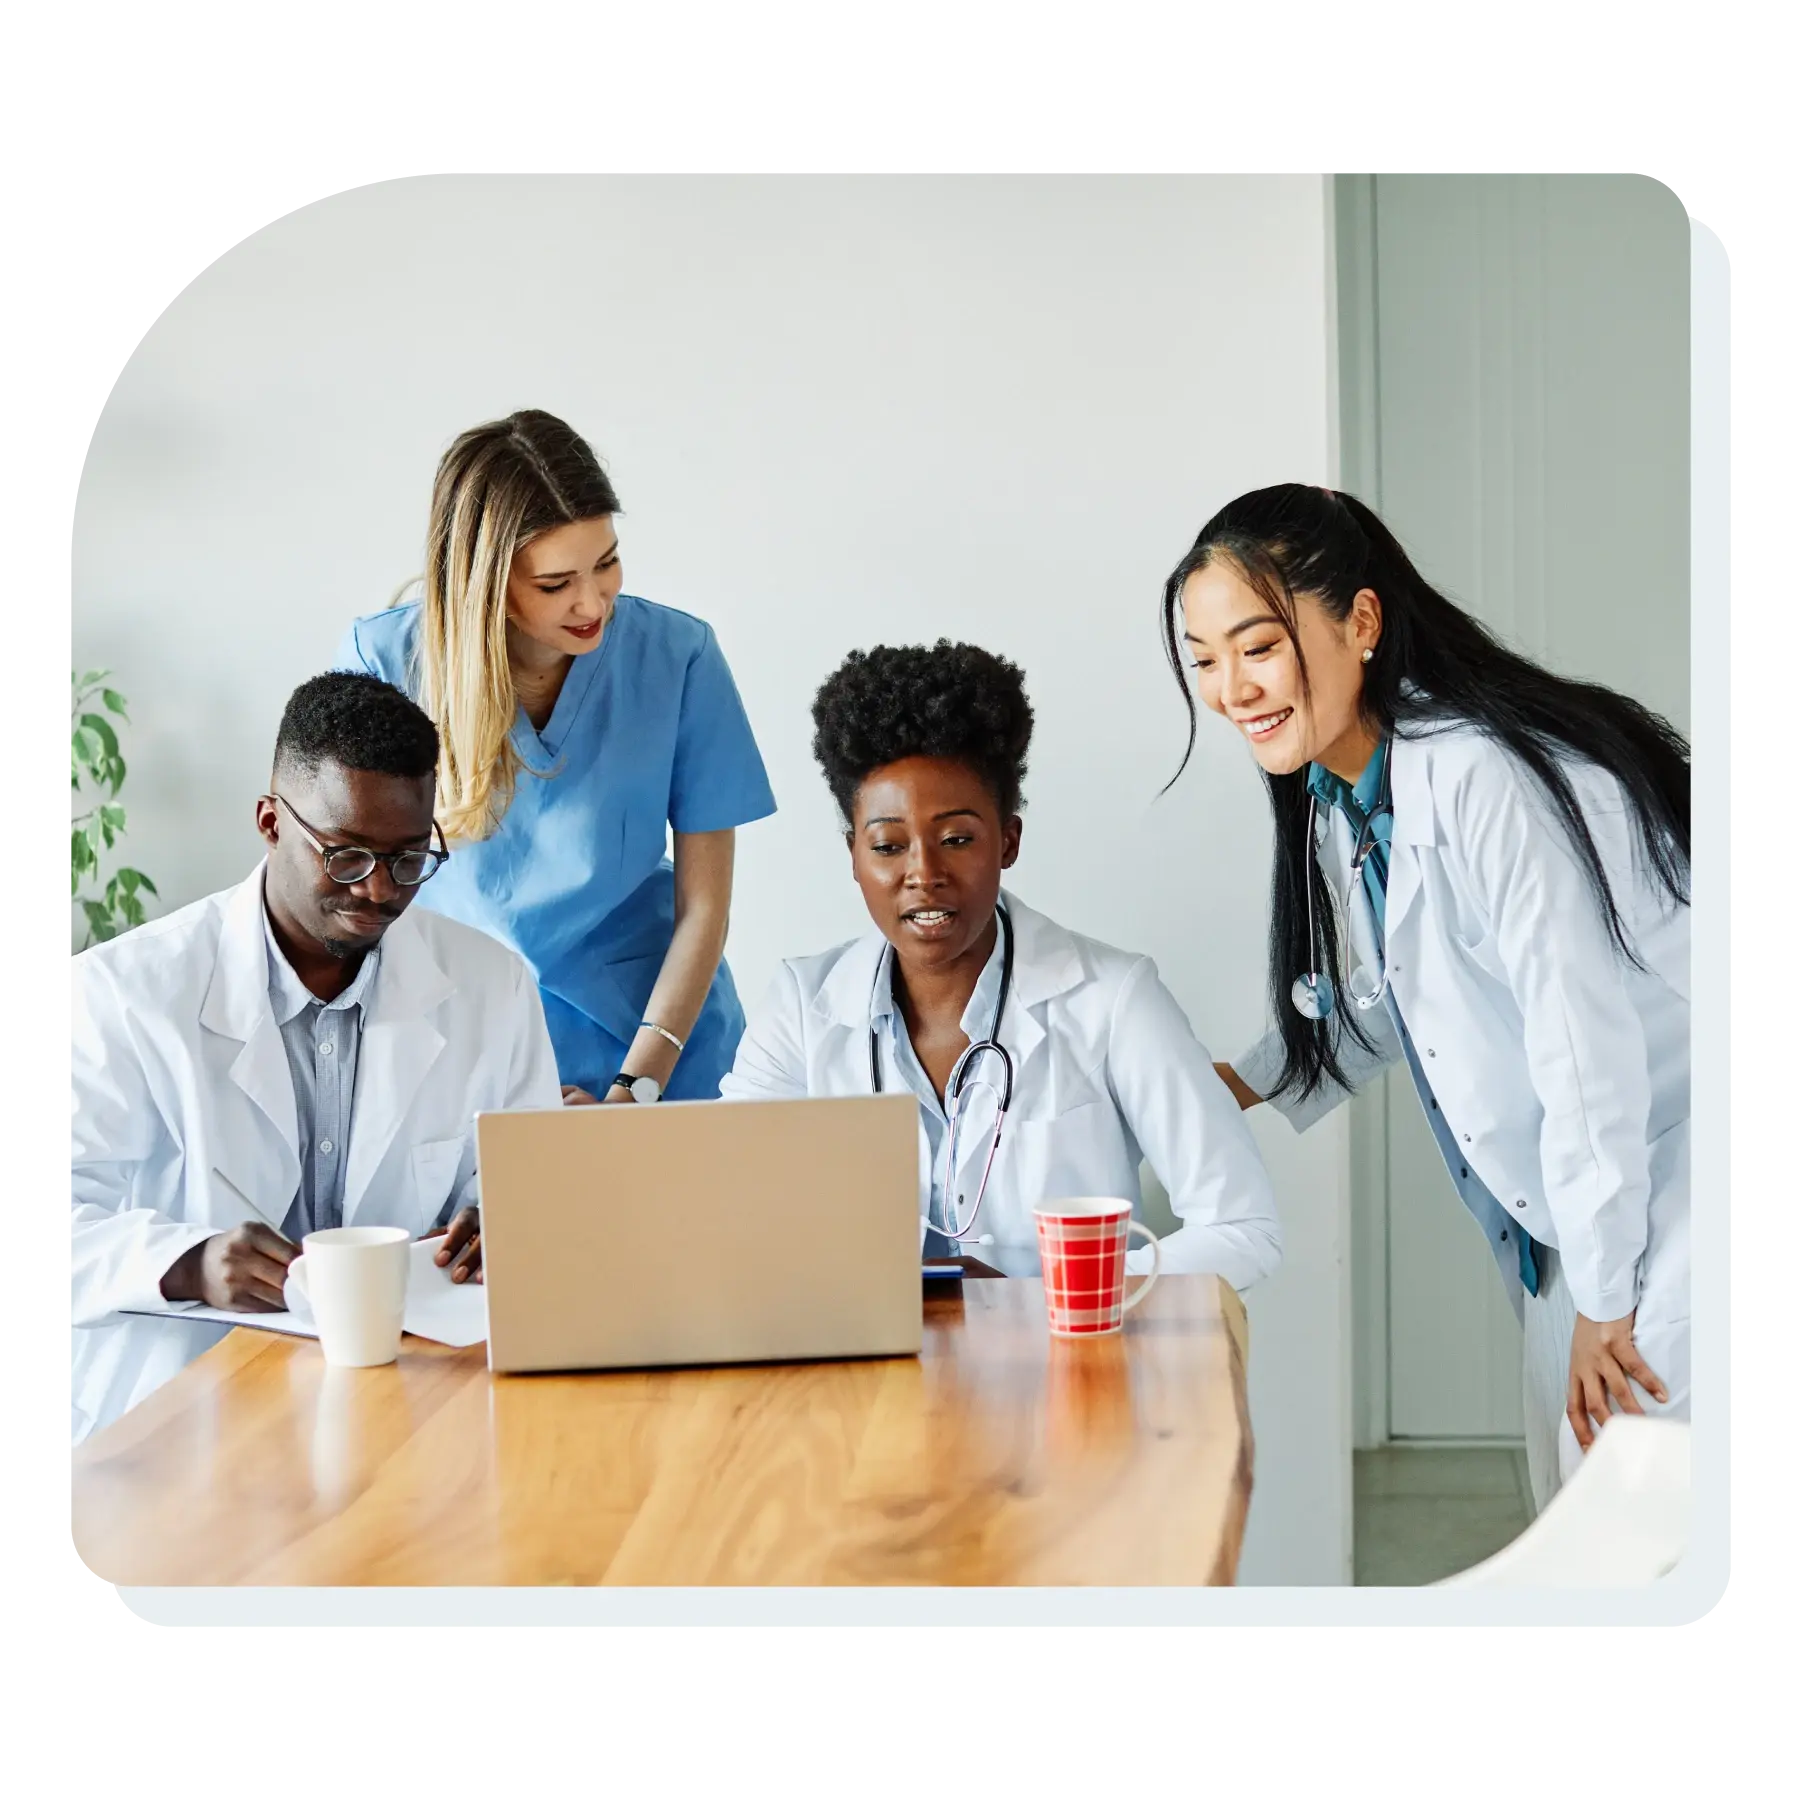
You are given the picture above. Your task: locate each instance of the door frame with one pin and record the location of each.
(1358, 447)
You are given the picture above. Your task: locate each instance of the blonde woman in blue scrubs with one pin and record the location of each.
(579, 726)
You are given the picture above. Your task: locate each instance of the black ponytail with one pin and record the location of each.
(1434, 667)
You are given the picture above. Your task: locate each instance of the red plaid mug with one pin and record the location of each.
(1083, 1247)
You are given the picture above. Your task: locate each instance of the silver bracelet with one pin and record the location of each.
(652, 1025)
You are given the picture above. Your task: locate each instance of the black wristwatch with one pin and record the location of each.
(645, 1089)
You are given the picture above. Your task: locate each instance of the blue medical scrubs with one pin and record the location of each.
(647, 733)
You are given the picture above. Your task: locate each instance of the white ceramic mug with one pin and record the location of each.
(352, 1281)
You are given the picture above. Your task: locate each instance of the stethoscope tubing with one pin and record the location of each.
(953, 1089)
(1362, 848)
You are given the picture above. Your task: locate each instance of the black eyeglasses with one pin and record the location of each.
(349, 863)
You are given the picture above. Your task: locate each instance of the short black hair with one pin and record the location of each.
(953, 701)
(358, 722)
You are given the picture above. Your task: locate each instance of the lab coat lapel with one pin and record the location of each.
(843, 1005)
(400, 1045)
(1046, 965)
(1415, 827)
(237, 1008)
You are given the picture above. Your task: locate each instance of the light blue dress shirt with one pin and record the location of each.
(322, 1039)
(977, 1129)
(1358, 804)
(648, 734)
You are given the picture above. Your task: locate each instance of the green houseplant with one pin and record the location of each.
(96, 774)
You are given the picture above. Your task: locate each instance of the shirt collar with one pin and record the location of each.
(289, 996)
(1360, 801)
(981, 1000)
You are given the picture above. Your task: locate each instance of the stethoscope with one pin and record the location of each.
(955, 1087)
(1313, 994)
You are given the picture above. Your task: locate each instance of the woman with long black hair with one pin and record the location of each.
(1481, 869)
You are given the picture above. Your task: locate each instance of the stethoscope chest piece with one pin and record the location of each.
(1313, 996)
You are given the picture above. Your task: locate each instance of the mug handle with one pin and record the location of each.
(1149, 1281)
(296, 1279)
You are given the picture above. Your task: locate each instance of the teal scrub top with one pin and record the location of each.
(647, 733)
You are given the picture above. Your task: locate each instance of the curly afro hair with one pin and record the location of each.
(359, 722)
(953, 700)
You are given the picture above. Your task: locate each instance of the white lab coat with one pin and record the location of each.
(1563, 1070)
(1108, 1073)
(180, 1078)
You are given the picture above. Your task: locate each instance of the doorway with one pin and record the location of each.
(1514, 399)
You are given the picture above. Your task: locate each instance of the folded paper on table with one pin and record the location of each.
(445, 1311)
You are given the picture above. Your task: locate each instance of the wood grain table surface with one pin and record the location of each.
(1000, 1456)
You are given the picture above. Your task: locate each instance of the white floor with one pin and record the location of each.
(1419, 1514)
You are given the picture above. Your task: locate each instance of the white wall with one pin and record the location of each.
(838, 411)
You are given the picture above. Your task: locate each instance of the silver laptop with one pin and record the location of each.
(716, 1231)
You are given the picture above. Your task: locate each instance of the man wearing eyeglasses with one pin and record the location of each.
(295, 1053)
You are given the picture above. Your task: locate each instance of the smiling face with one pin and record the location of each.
(1246, 669)
(562, 587)
(928, 846)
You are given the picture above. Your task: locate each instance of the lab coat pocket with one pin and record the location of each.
(435, 1167)
(1476, 942)
(1073, 1154)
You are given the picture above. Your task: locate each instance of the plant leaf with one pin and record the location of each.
(145, 882)
(81, 855)
(102, 729)
(133, 909)
(100, 921)
(88, 677)
(87, 746)
(114, 701)
(96, 833)
(114, 816)
(116, 774)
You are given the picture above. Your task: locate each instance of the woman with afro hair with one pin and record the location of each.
(925, 752)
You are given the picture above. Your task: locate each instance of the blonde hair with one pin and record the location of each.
(498, 486)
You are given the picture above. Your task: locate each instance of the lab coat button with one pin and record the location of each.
(327, 1047)
(1520, 1204)
(325, 1150)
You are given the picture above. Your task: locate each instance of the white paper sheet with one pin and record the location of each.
(437, 1308)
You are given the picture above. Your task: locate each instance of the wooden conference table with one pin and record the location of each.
(1000, 1456)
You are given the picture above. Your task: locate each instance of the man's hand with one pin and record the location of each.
(574, 1096)
(241, 1270)
(1602, 1356)
(461, 1250)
